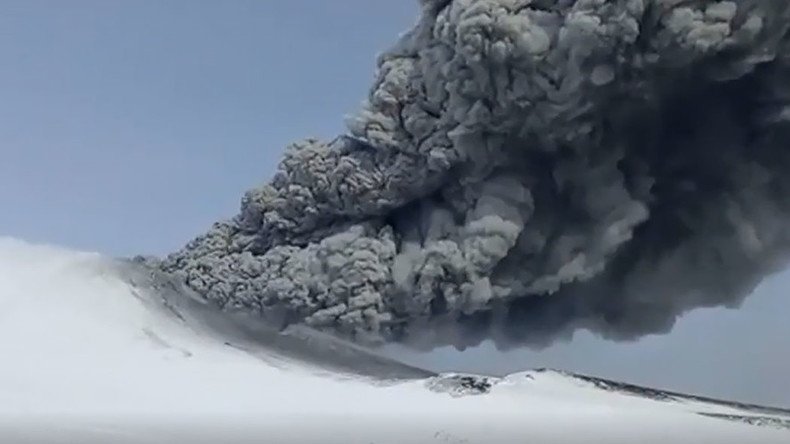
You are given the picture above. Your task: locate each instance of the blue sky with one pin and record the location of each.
(128, 127)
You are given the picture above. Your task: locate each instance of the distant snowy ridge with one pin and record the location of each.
(97, 350)
(466, 384)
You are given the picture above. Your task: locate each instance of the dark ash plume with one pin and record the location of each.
(524, 168)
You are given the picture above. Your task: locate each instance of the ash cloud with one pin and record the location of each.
(522, 169)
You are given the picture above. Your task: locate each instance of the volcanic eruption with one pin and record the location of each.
(525, 168)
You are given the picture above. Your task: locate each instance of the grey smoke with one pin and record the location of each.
(525, 168)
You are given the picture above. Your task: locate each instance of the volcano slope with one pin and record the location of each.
(107, 351)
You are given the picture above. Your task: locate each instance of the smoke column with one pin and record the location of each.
(525, 168)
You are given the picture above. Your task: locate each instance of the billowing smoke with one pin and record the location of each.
(525, 168)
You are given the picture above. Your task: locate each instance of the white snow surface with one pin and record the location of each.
(87, 357)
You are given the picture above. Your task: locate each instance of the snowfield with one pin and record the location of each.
(98, 350)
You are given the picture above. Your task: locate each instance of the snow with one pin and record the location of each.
(89, 356)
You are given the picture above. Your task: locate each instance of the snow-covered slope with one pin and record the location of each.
(95, 350)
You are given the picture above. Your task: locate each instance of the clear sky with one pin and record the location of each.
(129, 126)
